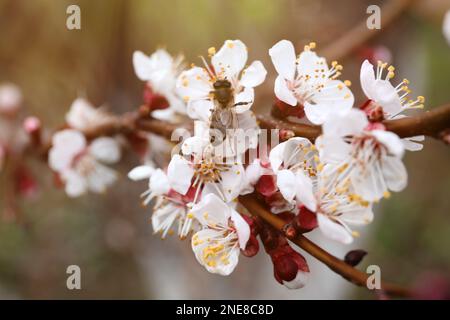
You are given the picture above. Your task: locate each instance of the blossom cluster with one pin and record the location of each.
(330, 184)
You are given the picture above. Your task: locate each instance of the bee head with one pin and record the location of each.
(222, 91)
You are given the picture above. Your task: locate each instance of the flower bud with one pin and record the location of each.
(290, 268)
(267, 185)
(154, 100)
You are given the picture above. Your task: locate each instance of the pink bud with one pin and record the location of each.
(287, 110)
(290, 268)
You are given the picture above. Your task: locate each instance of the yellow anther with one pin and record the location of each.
(386, 194)
(421, 99)
(230, 44)
(320, 167)
(212, 51)
(312, 45)
(391, 68)
(186, 98)
(348, 83)
(355, 234)
(205, 215)
(390, 74)
(190, 215)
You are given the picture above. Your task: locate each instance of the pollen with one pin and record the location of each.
(355, 234)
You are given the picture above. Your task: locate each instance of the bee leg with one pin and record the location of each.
(242, 103)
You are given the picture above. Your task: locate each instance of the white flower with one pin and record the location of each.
(446, 26)
(294, 162)
(225, 232)
(207, 173)
(196, 85)
(307, 81)
(83, 116)
(320, 188)
(169, 207)
(161, 70)
(79, 165)
(10, 97)
(393, 101)
(372, 159)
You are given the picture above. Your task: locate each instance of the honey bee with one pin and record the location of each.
(223, 116)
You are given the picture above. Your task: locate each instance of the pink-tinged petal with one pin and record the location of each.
(194, 84)
(211, 210)
(283, 59)
(105, 149)
(254, 75)
(333, 230)
(229, 61)
(141, 172)
(305, 192)
(351, 123)
(394, 173)
(159, 183)
(246, 96)
(200, 109)
(287, 183)
(367, 79)
(242, 229)
(180, 173)
(283, 92)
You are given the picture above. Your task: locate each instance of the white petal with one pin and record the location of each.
(283, 58)
(305, 192)
(200, 109)
(232, 182)
(367, 79)
(410, 144)
(141, 172)
(385, 94)
(391, 141)
(342, 125)
(142, 66)
(105, 149)
(66, 145)
(230, 59)
(286, 182)
(362, 216)
(247, 96)
(309, 62)
(242, 228)
(101, 178)
(254, 75)
(394, 173)
(212, 210)
(276, 156)
(333, 230)
(335, 98)
(194, 84)
(159, 183)
(298, 282)
(180, 173)
(283, 93)
(75, 185)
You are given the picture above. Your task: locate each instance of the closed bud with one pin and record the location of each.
(354, 257)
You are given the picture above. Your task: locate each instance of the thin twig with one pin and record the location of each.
(251, 203)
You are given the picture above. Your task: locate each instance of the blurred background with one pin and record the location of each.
(110, 236)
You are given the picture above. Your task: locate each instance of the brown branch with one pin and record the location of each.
(354, 38)
(350, 273)
(430, 123)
